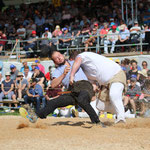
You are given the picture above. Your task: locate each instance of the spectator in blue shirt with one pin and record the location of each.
(34, 95)
(24, 63)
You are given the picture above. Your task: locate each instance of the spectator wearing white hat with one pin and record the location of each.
(124, 35)
(7, 87)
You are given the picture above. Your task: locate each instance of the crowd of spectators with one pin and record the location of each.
(32, 85)
(70, 20)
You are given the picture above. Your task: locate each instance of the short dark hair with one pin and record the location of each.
(51, 53)
(144, 62)
(133, 61)
(127, 61)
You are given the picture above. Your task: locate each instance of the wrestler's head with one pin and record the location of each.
(58, 58)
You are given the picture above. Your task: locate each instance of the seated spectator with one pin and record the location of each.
(31, 44)
(21, 32)
(138, 67)
(132, 94)
(135, 33)
(30, 27)
(112, 38)
(124, 36)
(39, 76)
(84, 21)
(75, 29)
(103, 32)
(45, 41)
(12, 34)
(33, 65)
(27, 74)
(85, 32)
(41, 67)
(7, 87)
(133, 71)
(49, 34)
(65, 38)
(20, 85)
(2, 43)
(57, 31)
(13, 72)
(34, 94)
(145, 65)
(25, 64)
(92, 40)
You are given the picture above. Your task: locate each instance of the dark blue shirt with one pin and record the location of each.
(37, 91)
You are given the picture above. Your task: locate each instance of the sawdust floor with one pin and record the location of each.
(16, 133)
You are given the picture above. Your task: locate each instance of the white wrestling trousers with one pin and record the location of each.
(85, 115)
(115, 105)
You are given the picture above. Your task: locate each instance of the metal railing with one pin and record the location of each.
(73, 44)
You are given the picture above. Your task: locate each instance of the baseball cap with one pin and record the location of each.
(114, 27)
(12, 66)
(135, 22)
(37, 68)
(57, 27)
(37, 61)
(33, 32)
(95, 24)
(112, 24)
(7, 74)
(46, 29)
(20, 74)
(64, 29)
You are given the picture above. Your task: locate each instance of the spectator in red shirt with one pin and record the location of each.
(2, 43)
(49, 74)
